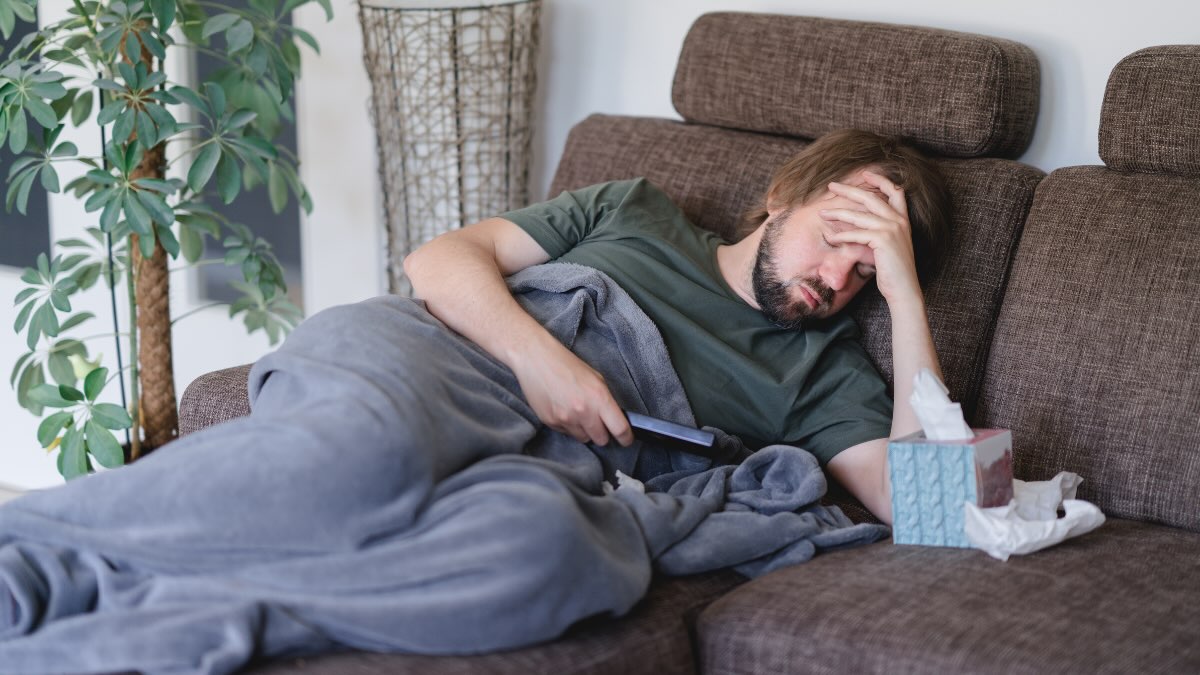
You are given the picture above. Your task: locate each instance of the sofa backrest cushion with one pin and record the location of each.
(1095, 364)
(1150, 121)
(715, 174)
(955, 94)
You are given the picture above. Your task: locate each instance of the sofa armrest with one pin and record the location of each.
(213, 398)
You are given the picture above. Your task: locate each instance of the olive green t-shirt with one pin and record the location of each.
(813, 387)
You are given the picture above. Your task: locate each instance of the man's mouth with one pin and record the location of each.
(810, 298)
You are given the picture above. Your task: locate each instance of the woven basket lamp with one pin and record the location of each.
(452, 100)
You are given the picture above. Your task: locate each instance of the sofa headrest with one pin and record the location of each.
(1150, 122)
(955, 94)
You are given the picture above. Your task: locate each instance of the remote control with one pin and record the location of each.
(671, 435)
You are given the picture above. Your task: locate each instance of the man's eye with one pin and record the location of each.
(827, 242)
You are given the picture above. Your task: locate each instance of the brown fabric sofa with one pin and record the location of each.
(1067, 312)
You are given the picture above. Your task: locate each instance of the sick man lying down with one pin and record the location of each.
(435, 476)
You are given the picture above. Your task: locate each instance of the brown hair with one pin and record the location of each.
(840, 153)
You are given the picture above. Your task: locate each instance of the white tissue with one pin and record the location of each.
(941, 419)
(1030, 521)
(624, 482)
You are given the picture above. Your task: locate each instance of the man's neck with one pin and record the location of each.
(736, 264)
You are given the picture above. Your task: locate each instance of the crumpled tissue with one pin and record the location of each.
(941, 418)
(1030, 521)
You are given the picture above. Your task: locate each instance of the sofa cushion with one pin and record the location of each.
(1123, 599)
(804, 76)
(213, 398)
(1095, 364)
(1150, 121)
(654, 638)
(715, 174)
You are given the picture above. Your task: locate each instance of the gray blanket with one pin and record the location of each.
(393, 491)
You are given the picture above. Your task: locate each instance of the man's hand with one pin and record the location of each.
(569, 396)
(883, 227)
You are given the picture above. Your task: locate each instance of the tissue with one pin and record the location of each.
(941, 418)
(1030, 521)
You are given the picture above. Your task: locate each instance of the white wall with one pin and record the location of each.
(612, 56)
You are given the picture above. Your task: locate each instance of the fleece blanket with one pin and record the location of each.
(392, 491)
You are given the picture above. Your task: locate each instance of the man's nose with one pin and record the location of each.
(836, 273)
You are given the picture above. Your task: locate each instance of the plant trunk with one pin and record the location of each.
(160, 419)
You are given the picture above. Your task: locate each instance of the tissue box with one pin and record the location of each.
(932, 479)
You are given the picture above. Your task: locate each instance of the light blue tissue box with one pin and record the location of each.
(931, 480)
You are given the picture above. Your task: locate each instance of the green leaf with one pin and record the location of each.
(216, 97)
(202, 168)
(190, 97)
(30, 379)
(239, 36)
(49, 395)
(22, 296)
(50, 427)
(60, 368)
(24, 186)
(147, 134)
(277, 188)
(103, 445)
(138, 217)
(70, 393)
(219, 23)
(49, 178)
(49, 320)
(25, 358)
(240, 119)
(123, 126)
(65, 149)
(191, 244)
(159, 211)
(94, 382)
(23, 315)
(42, 112)
(111, 416)
(59, 299)
(146, 246)
(81, 108)
(229, 179)
(76, 319)
(168, 241)
(74, 455)
(18, 132)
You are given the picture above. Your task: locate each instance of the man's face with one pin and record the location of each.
(798, 274)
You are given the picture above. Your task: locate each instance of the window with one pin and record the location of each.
(23, 237)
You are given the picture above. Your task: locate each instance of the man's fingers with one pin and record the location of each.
(617, 423)
(861, 219)
(864, 237)
(596, 432)
(894, 192)
(868, 198)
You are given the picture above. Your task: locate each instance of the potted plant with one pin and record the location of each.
(102, 66)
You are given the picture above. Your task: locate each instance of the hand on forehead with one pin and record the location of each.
(856, 179)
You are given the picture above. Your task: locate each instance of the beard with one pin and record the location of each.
(774, 295)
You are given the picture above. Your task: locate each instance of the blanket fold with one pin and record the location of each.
(393, 491)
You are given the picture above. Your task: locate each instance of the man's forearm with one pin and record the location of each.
(912, 350)
(462, 284)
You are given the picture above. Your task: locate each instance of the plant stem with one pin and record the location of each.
(135, 439)
(196, 309)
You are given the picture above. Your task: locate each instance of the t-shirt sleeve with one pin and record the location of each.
(561, 223)
(848, 404)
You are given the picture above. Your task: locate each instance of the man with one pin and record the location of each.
(852, 207)
(394, 488)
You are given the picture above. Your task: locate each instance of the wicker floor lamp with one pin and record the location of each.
(452, 98)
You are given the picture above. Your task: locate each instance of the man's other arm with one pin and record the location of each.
(862, 468)
(460, 276)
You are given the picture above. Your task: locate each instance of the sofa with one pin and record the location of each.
(1068, 312)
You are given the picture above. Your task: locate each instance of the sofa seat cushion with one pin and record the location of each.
(1122, 599)
(654, 638)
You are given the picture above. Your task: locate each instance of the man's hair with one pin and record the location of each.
(840, 153)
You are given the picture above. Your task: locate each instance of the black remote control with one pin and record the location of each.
(671, 435)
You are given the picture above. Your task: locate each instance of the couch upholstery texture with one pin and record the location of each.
(1066, 312)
